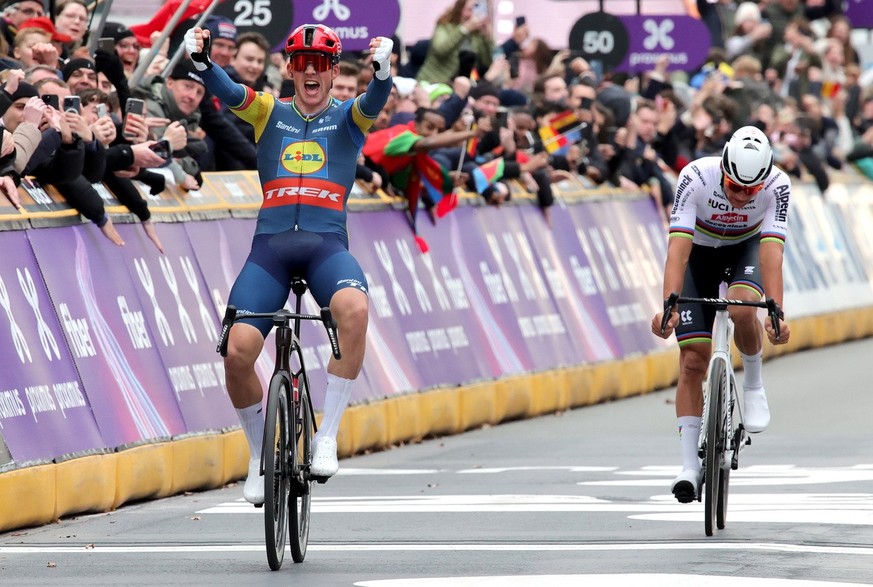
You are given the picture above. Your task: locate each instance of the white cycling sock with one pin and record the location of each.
(252, 420)
(752, 370)
(689, 435)
(339, 391)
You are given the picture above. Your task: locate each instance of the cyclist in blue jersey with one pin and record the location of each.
(307, 147)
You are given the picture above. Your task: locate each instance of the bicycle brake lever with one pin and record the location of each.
(330, 326)
(775, 314)
(669, 304)
(226, 323)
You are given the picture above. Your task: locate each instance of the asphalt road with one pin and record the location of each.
(575, 498)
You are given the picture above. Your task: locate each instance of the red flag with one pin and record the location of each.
(162, 17)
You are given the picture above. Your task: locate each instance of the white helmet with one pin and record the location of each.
(747, 158)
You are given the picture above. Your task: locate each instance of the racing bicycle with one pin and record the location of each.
(288, 428)
(723, 434)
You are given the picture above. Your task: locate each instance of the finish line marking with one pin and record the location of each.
(403, 547)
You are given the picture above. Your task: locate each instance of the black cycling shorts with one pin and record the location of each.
(737, 265)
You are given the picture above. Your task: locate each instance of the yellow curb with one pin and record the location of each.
(143, 472)
(441, 411)
(28, 497)
(633, 376)
(366, 427)
(580, 385)
(86, 484)
(478, 403)
(606, 381)
(550, 393)
(197, 463)
(513, 398)
(405, 421)
(663, 368)
(235, 456)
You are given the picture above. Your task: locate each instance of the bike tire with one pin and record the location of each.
(276, 473)
(725, 479)
(301, 499)
(714, 445)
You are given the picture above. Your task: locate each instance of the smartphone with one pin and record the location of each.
(102, 110)
(610, 134)
(106, 44)
(133, 106)
(520, 21)
(52, 100)
(162, 149)
(73, 104)
(502, 118)
(480, 9)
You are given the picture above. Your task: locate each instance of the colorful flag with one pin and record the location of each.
(488, 173)
(162, 17)
(418, 175)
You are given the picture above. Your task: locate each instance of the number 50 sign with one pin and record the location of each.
(634, 43)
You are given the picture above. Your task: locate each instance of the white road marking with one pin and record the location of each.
(453, 547)
(652, 580)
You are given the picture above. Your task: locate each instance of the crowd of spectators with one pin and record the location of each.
(491, 116)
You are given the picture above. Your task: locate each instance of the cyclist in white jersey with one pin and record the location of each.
(728, 224)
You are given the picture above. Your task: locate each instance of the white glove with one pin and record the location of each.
(382, 59)
(200, 59)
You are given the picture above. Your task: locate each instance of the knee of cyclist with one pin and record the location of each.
(238, 360)
(694, 363)
(352, 316)
(744, 316)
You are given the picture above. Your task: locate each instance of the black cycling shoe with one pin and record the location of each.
(684, 487)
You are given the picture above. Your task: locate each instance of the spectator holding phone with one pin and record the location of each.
(178, 101)
(460, 42)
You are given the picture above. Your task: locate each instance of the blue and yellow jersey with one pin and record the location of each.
(306, 164)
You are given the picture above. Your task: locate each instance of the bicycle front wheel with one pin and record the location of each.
(301, 499)
(716, 388)
(731, 440)
(276, 474)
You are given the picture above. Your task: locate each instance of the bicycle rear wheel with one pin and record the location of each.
(301, 498)
(276, 473)
(716, 387)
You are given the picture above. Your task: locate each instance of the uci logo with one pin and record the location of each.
(659, 34)
(303, 157)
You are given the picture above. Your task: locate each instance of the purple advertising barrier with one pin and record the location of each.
(182, 322)
(623, 241)
(355, 21)
(683, 39)
(221, 248)
(422, 329)
(859, 13)
(113, 350)
(570, 276)
(44, 410)
(500, 268)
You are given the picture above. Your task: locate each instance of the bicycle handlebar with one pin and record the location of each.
(773, 310)
(280, 318)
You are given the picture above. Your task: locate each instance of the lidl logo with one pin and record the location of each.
(302, 158)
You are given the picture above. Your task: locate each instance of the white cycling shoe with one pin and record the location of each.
(324, 461)
(756, 412)
(685, 486)
(253, 491)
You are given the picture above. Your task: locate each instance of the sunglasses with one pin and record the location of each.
(749, 190)
(319, 61)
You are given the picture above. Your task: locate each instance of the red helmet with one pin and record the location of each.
(315, 37)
